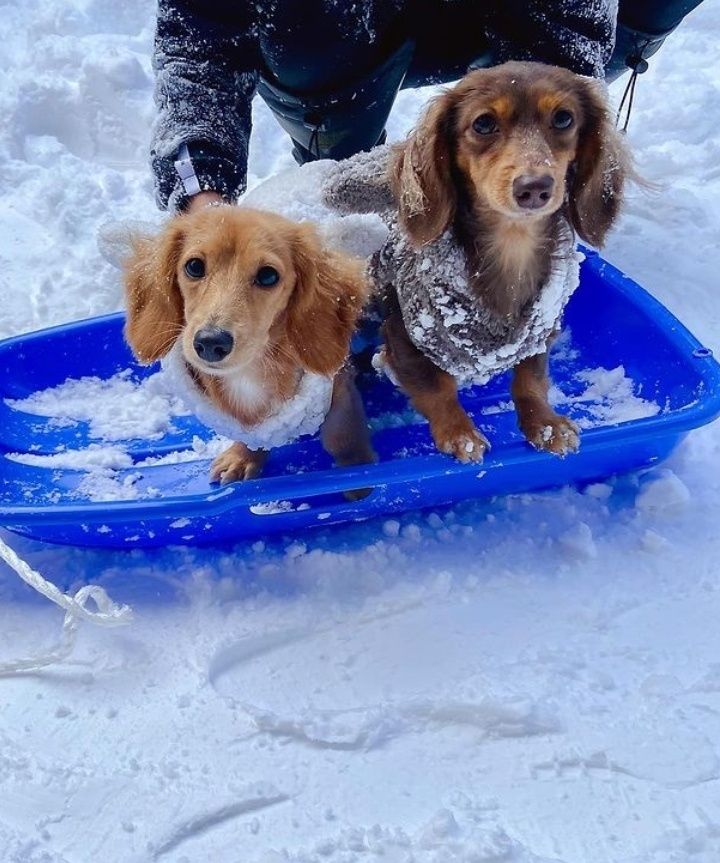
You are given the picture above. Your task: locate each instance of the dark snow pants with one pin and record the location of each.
(330, 71)
(354, 118)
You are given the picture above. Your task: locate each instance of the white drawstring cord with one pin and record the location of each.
(108, 613)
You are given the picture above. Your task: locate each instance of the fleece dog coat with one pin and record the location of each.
(443, 317)
(303, 414)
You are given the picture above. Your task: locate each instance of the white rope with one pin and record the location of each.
(108, 613)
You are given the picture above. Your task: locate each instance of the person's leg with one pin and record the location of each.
(331, 84)
(345, 121)
(331, 74)
(449, 39)
(356, 74)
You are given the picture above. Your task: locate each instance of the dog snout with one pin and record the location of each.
(213, 344)
(533, 193)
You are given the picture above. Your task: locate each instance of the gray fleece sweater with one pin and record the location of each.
(443, 316)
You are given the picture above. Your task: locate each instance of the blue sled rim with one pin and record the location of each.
(613, 322)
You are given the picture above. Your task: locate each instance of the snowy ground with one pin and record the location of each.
(529, 680)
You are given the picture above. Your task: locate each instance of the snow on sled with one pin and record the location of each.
(94, 452)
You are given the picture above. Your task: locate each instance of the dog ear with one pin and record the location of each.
(422, 175)
(597, 177)
(329, 294)
(154, 303)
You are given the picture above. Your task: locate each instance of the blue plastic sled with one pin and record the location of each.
(611, 320)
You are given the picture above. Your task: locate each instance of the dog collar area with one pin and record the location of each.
(302, 414)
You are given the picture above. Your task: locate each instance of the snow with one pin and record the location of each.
(88, 458)
(118, 408)
(610, 397)
(525, 680)
(663, 494)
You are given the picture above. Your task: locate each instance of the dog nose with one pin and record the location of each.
(532, 193)
(213, 344)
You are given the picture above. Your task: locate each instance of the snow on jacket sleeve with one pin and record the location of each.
(576, 34)
(206, 66)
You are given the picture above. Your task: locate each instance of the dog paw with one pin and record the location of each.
(466, 444)
(367, 456)
(236, 463)
(558, 435)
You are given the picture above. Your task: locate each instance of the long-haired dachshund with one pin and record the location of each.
(258, 317)
(483, 198)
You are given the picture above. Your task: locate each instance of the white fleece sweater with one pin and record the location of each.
(303, 414)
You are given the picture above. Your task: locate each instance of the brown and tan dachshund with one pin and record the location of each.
(504, 159)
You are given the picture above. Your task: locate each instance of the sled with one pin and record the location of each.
(625, 369)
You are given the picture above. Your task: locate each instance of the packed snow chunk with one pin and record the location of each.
(273, 507)
(412, 532)
(201, 450)
(93, 456)
(118, 408)
(103, 486)
(653, 542)
(664, 493)
(578, 541)
(599, 491)
(609, 398)
(365, 728)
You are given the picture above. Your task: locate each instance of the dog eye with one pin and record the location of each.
(485, 124)
(267, 277)
(195, 268)
(562, 119)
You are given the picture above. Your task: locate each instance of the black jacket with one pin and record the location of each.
(210, 56)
